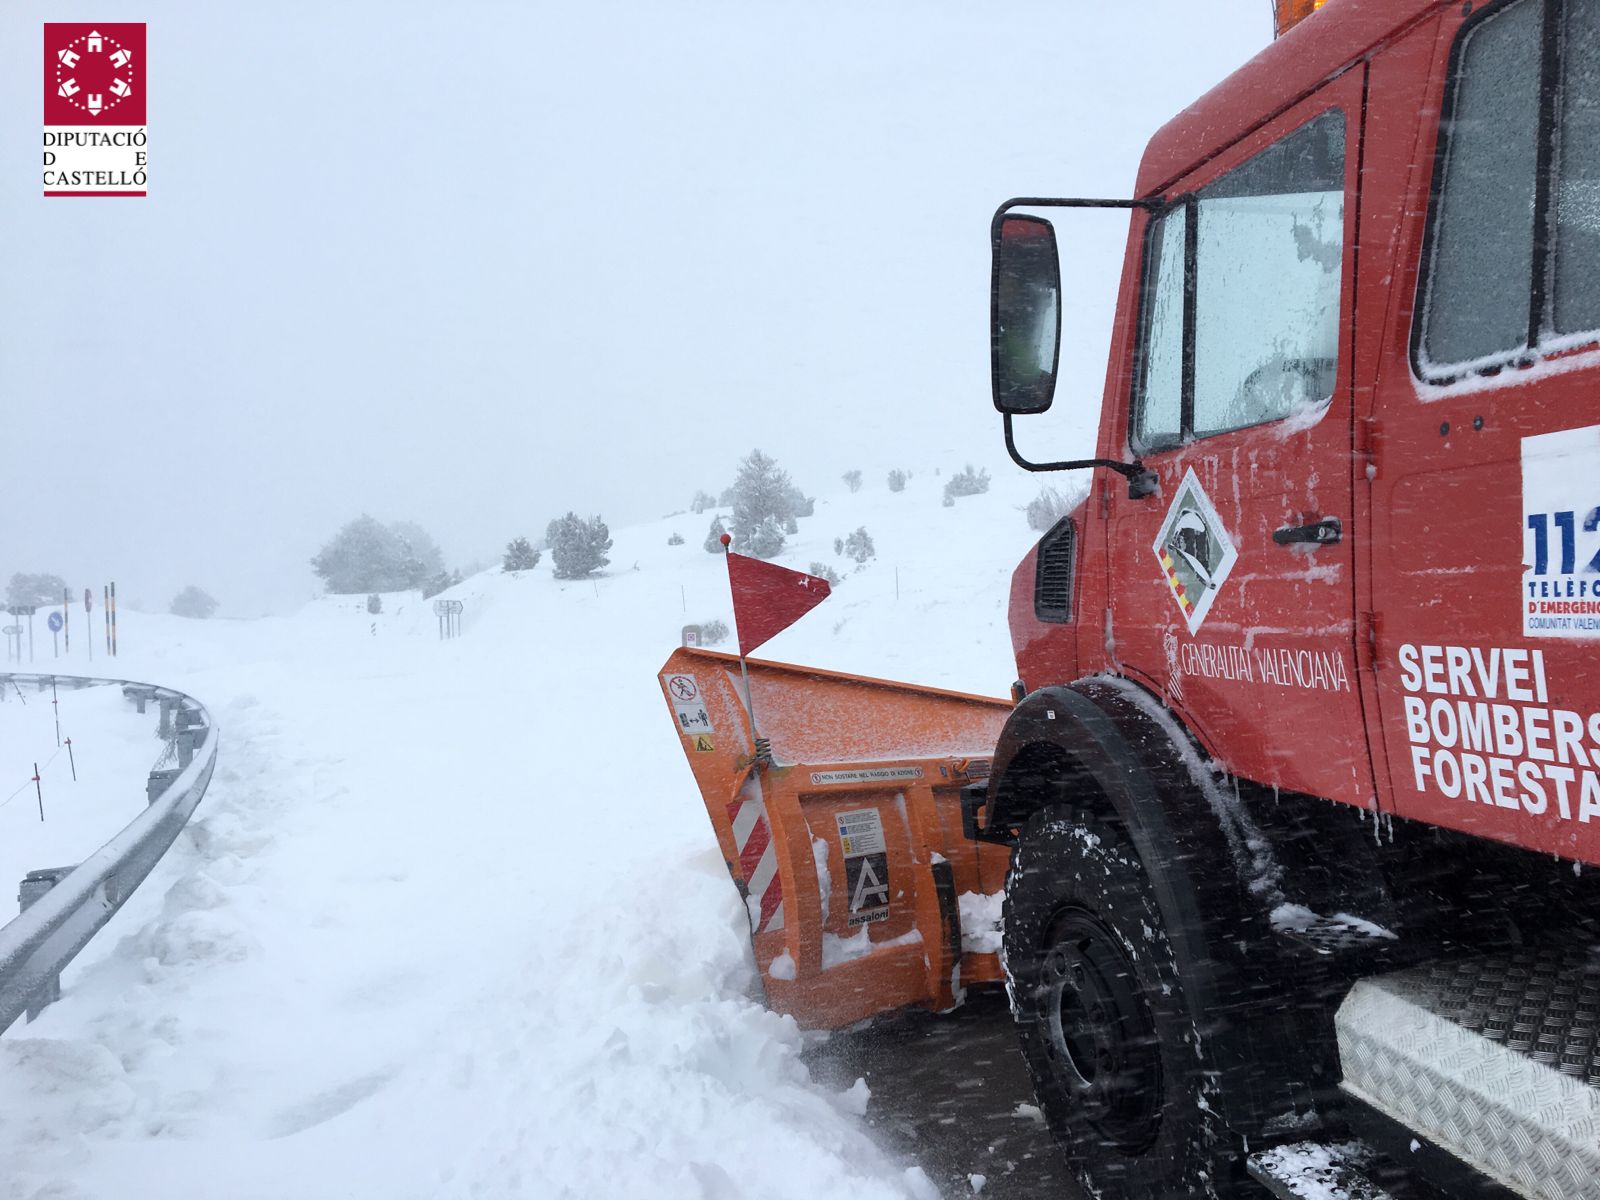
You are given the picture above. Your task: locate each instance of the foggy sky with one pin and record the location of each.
(476, 264)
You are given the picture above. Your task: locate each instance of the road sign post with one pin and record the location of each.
(55, 623)
(88, 606)
(449, 614)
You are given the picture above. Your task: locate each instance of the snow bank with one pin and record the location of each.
(451, 920)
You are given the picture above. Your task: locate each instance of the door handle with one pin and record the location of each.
(1319, 533)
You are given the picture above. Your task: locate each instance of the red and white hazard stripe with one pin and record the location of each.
(758, 860)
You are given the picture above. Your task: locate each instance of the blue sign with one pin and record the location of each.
(55, 622)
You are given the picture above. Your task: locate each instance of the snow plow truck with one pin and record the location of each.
(1295, 805)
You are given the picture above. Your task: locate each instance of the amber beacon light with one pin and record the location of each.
(1289, 13)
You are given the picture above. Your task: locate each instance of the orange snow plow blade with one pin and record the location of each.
(847, 845)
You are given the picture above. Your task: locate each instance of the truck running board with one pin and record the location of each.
(1317, 1171)
(1494, 1059)
(842, 830)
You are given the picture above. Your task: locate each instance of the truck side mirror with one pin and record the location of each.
(1024, 314)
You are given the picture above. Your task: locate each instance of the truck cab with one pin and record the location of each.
(1313, 667)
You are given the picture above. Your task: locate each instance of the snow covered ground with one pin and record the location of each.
(450, 920)
(113, 749)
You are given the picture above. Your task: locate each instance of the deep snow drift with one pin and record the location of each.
(451, 920)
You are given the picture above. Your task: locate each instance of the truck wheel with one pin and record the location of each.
(1099, 1008)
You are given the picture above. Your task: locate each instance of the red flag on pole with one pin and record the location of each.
(767, 599)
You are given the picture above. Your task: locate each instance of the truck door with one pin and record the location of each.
(1486, 466)
(1232, 590)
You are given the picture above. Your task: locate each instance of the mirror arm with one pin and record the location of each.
(1142, 481)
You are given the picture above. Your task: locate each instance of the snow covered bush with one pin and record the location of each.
(965, 483)
(714, 538)
(1045, 509)
(676, 539)
(578, 547)
(838, 545)
(192, 602)
(368, 556)
(859, 546)
(374, 604)
(824, 571)
(36, 591)
(897, 480)
(520, 555)
(702, 502)
(852, 480)
(714, 632)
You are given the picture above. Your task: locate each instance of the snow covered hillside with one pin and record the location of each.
(450, 920)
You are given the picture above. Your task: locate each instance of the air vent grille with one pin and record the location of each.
(1052, 589)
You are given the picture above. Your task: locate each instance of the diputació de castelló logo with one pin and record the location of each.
(95, 89)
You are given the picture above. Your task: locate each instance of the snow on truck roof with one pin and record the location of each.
(1314, 51)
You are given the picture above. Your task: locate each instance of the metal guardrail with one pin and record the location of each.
(36, 945)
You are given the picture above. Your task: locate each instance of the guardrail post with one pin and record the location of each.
(158, 782)
(31, 890)
(168, 703)
(188, 735)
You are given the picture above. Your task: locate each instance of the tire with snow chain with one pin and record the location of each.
(1101, 1016)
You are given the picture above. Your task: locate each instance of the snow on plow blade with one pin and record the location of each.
(847, 846)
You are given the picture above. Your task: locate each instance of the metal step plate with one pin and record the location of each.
(1317, 1171)
(1496, 1059)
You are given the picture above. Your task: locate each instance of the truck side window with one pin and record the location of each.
(1269, 259)
(1476, 303)
(1271, 256)
(1157, 414)
(1576, 300)
(1495, 291)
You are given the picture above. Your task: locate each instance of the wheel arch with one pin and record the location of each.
(1091, 745)
(1108, 746)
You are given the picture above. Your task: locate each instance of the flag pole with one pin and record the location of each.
(763, 747)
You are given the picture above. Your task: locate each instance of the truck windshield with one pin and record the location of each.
(1269, 250)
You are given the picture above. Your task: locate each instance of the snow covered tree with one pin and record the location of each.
(702, 502)
(761, 493)
(713, 632)
(859, 545)
(852, 480)
(368, 556)
(578, 547)
(420, 554)
(520, 555)
(824, 571)
(36, 591)
(192, 602)
(897, 480)
(438, 582)
(374, 604)
(676, 539)
(714, 538)
(765, 540)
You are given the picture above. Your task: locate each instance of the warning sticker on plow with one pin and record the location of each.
(869, 775)
(687, 703)
(866, 865)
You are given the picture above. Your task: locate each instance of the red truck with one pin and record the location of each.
(1296, 798)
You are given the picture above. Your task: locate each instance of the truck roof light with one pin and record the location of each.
(1287, 14)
